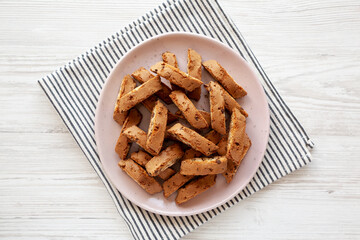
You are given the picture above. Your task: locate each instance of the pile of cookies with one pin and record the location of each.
(174, 157)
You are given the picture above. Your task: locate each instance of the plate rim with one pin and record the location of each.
(101, 99)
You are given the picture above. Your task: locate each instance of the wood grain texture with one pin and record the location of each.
(310, 50)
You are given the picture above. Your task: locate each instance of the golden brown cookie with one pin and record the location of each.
(203, 166)
(230, 102)
(194, 70)
(140, 157)
(217, 109)
(170, 58)
(222, 145)
(174, 183)
(138, 136)
(176, 76)
(142, 75)
(123, 144)
(188, 109)
(140, 176)
(157, 128)
(236, 138)
(164, 160)
(193, 139)
(232, 167)
(139, 94)
(127, 85)
(194, 188)
(221, 75)
(166, 174)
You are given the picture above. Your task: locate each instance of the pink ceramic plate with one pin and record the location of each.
(148, 53)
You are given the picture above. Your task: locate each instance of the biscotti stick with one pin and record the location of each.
(164, 160)
(157, 128)
(222, 145)
(203, 166)
(175, 76)
(123, 144)
(140, 176)
(236, 138)
(174, 183)
(138, 136)
(230, 102)
(217, 109)
(170, 58)
(149, 104)
(232, 167)
(127, 85)
(140, 157)
(166, 174)
(193, 139)
(212, 136)
(194, 70)
(205, 114)
(142, 75)
(221, 75)
(139, 94)
(194, 188)
(188, 109)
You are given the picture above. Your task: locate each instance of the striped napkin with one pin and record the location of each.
(74, 90)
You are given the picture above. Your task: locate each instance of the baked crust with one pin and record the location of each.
(194, 188)
(193, 139)
(140, 157)
(174, 183)
(176, 76)
(150, 103)
(164, 160)
(236, 138)
(143, 75)
(140, 176)
(212, 136)
(127, 85)
(232, 167)
(204, 166)
(221, 75)
(137, 135)
(139, 94)
(230, 102)
(205, 114)
(123, 143)
(222, 145)
(217, 109)
(170, 58)
(166, 174)
(194, 70)
(188, 109)
(157, 128)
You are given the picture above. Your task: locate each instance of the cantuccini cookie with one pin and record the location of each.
(143, 75)
(157, 127)
(194, 188)
(123, 143)
(193, 139)
(203, 166)
(176, 76)
(236, 139)
(127, 85)
(217, 109)
(194, 70)
(221, 75)
(139, 94)
(164, 160)
(188, 109)
(140, 176)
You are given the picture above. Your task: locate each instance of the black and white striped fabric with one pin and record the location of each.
(75, 88)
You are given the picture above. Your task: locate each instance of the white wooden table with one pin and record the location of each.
(310, 50)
